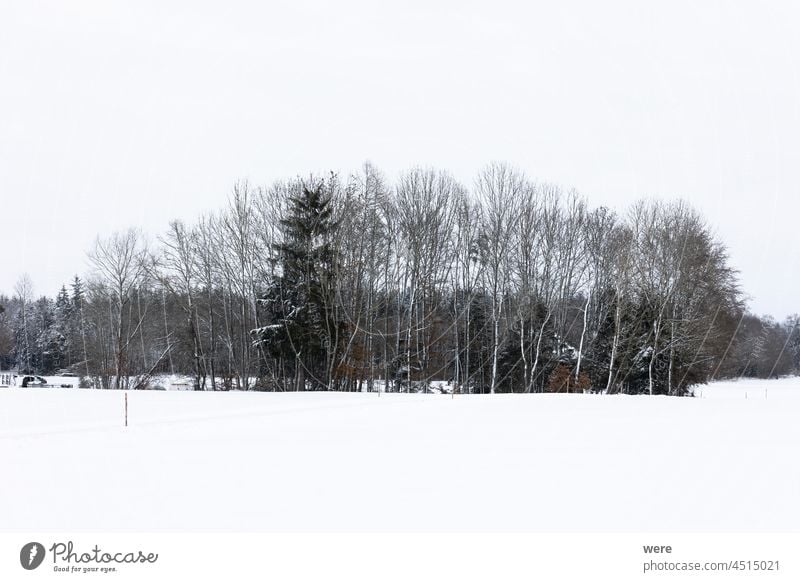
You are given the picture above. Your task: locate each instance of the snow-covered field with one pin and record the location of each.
(725, 461)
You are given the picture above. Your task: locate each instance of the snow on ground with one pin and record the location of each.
(401, 462)
(786, 388)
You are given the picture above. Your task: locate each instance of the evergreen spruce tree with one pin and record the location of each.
(63, 318)
(300, 300)
(47, 356)
(77, 327)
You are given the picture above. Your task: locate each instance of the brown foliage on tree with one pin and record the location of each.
(562, 379)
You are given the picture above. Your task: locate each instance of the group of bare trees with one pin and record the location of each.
(510, 285)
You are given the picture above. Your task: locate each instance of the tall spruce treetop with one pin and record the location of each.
(77, 292)
(306, 248)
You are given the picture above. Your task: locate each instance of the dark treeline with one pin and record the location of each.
(353, 284)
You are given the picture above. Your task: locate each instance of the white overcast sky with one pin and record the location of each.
(117, 114)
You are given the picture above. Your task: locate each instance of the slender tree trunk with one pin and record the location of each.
(614, 340)
(495, 344)
(535, 366)
(119, 355)
(166, 331)
(523, 355)
(212, 356)
(656, 333)
(583, 335)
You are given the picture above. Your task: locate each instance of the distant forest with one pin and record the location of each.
(332, 283)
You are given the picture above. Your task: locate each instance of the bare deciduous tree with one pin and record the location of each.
(120, 261)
